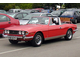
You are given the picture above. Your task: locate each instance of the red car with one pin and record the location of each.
(39, 29)
(7, 21)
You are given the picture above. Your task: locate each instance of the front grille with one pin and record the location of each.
(13, 32)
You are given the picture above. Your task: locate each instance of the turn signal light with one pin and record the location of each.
(71, 18)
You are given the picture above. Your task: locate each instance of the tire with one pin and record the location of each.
(69, 35)
(75, 22)
(37, 40)
(13, 41)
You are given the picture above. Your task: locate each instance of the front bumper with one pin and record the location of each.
(19, 37)
(75, 30)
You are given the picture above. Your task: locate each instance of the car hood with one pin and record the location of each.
(23, 22)
(27, 27)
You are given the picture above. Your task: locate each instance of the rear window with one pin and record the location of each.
(4, 18)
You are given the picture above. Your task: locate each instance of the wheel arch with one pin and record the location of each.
(70, 29)
(41, 33)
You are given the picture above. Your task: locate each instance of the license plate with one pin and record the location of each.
(64, 19)
(13, 38)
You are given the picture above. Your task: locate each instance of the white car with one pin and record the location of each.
(14, 10)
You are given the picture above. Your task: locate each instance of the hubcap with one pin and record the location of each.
(69, 34)
(38, 39)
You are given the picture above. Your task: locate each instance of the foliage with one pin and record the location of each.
(72, 5)
(7, 6)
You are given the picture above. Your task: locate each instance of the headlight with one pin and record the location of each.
(20, 32)
(7, 31)
(23, 32)
(26, 33)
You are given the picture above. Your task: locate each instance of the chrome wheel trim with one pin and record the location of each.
(69, 34)
(38, 40)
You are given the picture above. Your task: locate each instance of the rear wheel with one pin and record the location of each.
(75, 22)
(37, 40)
(69, 35)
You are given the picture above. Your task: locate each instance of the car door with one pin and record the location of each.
(4, 22)
(55, 30)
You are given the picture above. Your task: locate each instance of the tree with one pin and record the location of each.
(72, 5)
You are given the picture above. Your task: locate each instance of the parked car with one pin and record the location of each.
(3, 11)
(73, 15)
(17, 15)
(25, 20)
(30, 11)
(7, 21)
(58, 12)
(40, 9)
(14, 10)
(39, 29)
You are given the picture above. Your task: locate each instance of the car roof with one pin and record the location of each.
(47, 16)
(15, 9)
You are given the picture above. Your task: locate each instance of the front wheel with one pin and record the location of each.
(37, 40)
(69, 35)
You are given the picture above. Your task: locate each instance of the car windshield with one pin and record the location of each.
(12, 15)
(67, 13)
(57, 13)
(30, 16)
(39, 20)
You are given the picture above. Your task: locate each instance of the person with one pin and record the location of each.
(55, 21)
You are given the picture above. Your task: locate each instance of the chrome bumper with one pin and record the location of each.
(20, 37)
(75, 30)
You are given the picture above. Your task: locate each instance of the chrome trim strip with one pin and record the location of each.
(21, 37)
(54, 37)
(75, 30)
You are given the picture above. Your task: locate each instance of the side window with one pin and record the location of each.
(24, 15)
(18, 16)
(4, 18)
(76, 13)
(51, 22)
(54, 21)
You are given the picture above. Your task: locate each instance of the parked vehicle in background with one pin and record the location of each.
(14, 10)
(30, 11)
(73, 15)
(40, 9)
(18, 15)
(58, 12)
(47, 11)
(3, 11)
(40, 29)
(7, 21)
